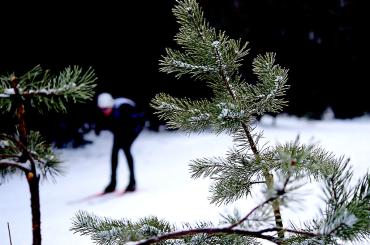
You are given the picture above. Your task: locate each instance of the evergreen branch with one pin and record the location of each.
(241, 142)
(43, 90)
(280, 191)
(336, 195)
(210, 231)
(46, 160)
(196, 116)
(183, 113)
(207, 167)
(190, 17)
(268, 177)
(346, 216)
(36, 151)
(222, 66)
(271, 86)
(225, 191)
(5, 89)
(8, 146)
(260, 218)
(10, 157)
(7, 164)
(229, 115)
(347, 213)
(7, 173)
(246, 217)
(198, 41)
(109, 231)
(217, 239)
(193, 37)
(233, 176)
(309, 160)
(147, 231)
(12, 145)
(181, 64)
(226, 80)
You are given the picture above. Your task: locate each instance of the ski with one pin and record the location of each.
(100, 196)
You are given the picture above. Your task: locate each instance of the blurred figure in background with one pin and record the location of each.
(123, 119)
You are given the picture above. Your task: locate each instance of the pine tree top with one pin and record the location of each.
(212, 57)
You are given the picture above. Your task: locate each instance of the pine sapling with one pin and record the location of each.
(25, 151)
(210, 56)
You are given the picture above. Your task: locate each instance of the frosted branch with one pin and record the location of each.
(168, 106)
(181, 64)
(274, 91)
(199, 118)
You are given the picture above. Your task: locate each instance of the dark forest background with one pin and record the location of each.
(322, 43)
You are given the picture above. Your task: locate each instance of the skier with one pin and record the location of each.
(122, 117)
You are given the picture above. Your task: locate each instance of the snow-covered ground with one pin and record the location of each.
(165, 188)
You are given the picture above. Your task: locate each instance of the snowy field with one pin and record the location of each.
(165, 188)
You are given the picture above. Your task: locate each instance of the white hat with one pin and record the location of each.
(105, 100)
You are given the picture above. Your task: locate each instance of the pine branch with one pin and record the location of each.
(276, 195)
(15, 165)
(107, 231)
(44, 91)
(346, 215)
(188, 115)
(233, 176)
(46, 161)
(37, 152)
(271, 86)
(309, 160)
(197, 116)
(12, 151)
(210, 231)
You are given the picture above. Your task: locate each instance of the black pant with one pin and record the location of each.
(124, 141)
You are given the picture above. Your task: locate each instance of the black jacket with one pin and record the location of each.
(125, 120)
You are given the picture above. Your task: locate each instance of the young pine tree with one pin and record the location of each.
(25, 151)
(210, 56)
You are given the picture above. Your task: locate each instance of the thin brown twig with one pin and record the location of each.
(250, 213)
(227, 230)
(211, 231)
(271, 199)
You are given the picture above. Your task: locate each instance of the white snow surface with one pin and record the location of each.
(164, 186)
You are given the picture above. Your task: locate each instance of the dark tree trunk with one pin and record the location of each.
(33, 183)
